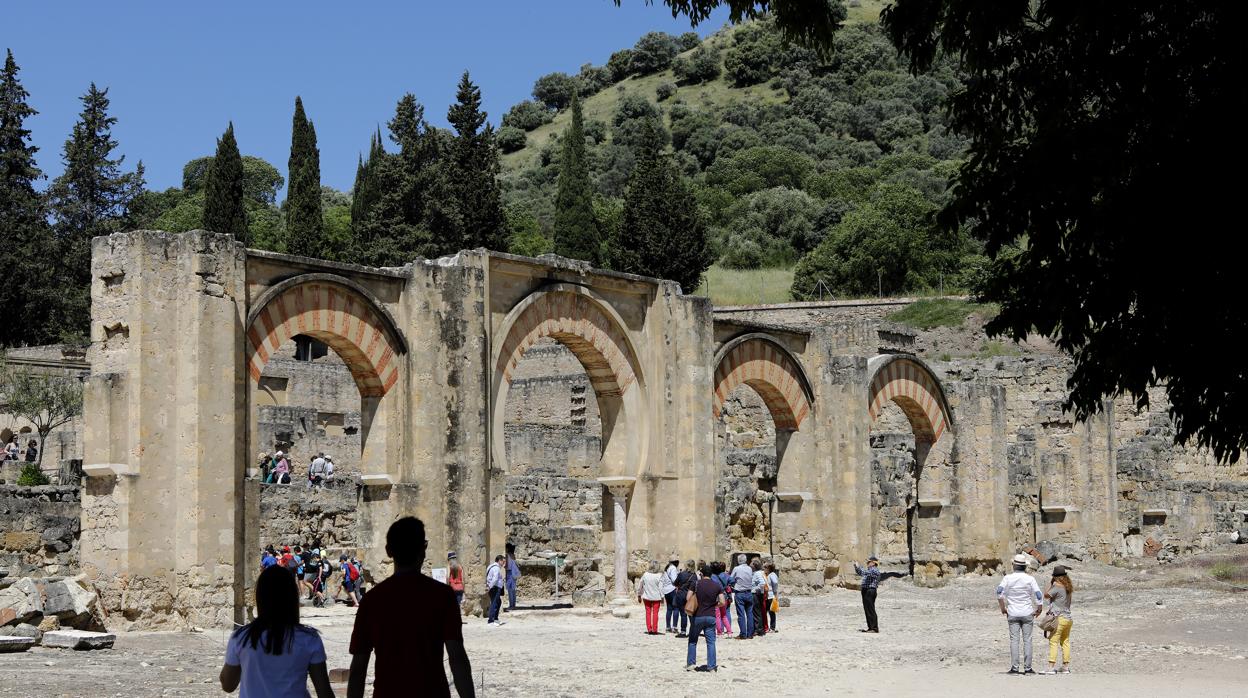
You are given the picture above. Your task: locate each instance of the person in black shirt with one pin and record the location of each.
(710, 595)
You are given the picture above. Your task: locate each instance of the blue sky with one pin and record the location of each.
(177, 72)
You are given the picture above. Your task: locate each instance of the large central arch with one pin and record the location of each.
(761, 362)
(911, 384)
(336, 311)
(592, 330)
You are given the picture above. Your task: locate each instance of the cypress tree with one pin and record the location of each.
(365, 192)
(224, 208)
(474, 167)
(305, 228)
(28, 244)
(576, 229)
(92, 197)
(661, 234)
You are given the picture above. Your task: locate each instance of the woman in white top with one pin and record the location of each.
(275, 654)
(773, 581)
(650, 593)
(669, 593)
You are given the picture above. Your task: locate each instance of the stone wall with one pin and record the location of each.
(309, 407)
(298, 515)
(1088, 485)
(39, 530)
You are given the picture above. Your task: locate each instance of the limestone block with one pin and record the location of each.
(69, 602)
(22, 541)
(589, 597)
(10, 643)
(78, 639)
(22, 630)
(620, 612)
(23, 599)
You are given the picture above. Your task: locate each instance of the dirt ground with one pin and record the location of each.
(1157, 630)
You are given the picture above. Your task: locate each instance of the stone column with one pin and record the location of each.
(620, 488)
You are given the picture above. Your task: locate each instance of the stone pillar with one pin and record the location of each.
(620, 488)
(165, 414)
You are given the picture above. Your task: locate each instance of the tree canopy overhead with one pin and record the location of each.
(1096, 131)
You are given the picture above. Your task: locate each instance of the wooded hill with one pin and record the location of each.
(836, 164)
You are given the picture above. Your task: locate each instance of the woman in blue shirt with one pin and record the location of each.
(275, 654)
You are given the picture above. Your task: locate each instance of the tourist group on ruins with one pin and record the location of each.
(280, 469)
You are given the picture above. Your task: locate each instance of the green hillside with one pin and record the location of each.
(828, 167)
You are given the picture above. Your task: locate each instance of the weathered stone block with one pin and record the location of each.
(22, 541)
(78, 639)
(11, 643)
(23, 599)
(22, 630)
(69, 602)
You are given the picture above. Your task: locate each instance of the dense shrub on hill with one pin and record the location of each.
(782, 148)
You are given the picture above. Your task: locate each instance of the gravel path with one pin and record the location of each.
(934, 642)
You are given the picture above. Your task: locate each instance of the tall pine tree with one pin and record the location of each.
(92, 197)
(27, 250)
(225, 210)
(305, 228)
(661, 234)
(474, 167)
(576, 228)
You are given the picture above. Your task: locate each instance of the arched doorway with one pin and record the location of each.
(323, 357)
(762, 398)
(548, 497)
(911, 442)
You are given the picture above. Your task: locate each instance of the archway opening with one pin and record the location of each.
(749, 467)
(553, 435)
(910, 445)
(322, 356)
(568, 417)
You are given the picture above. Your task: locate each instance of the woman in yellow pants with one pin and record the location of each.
(1059, 594)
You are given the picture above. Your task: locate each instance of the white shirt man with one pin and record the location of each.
(1020, 601)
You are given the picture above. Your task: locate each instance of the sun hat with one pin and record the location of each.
(450, 555)
(1021, 559)
(1059, 571)
(873, 559)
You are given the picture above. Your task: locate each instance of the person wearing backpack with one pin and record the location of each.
(350, 575)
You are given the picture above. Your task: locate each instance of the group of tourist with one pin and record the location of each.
(699, 598)
(312, 570)
(12, 451)
(275, 654)
(277, 469)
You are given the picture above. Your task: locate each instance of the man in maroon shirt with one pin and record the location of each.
(407, 620)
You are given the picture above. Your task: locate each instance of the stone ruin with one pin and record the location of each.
(592, 417)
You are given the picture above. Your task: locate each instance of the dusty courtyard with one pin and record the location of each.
(1154, 631)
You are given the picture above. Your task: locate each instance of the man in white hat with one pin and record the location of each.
(1020, 600)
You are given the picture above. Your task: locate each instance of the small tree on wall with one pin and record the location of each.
(46, 401)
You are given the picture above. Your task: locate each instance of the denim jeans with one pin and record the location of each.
(745, 613)
(496, 602)
(672, 613)
(702, 625)
(511, 593)
(1020, 626)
